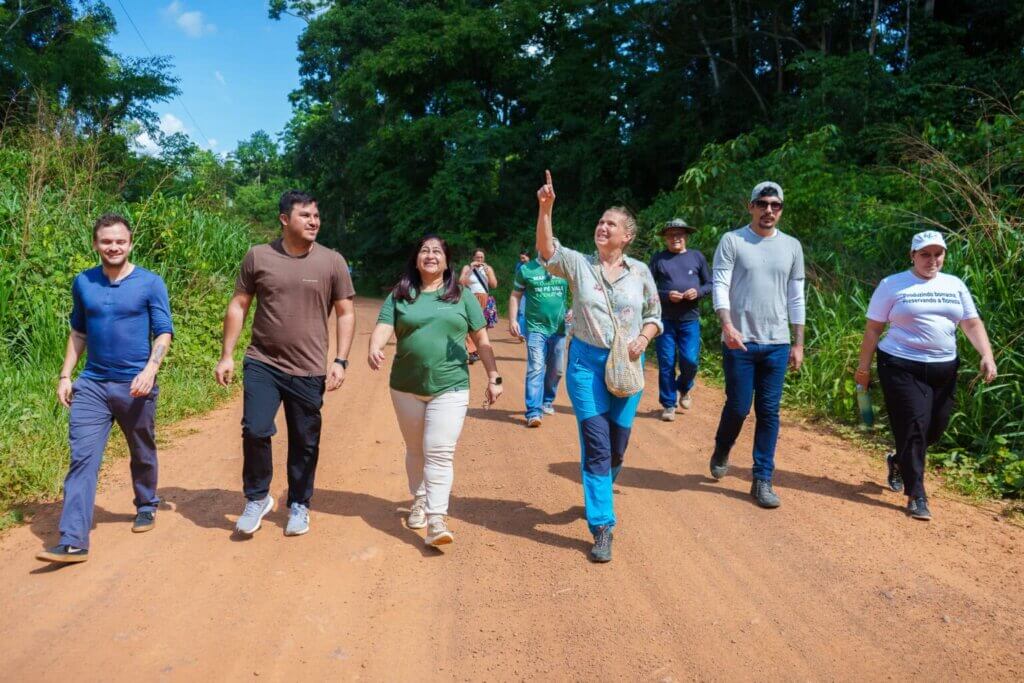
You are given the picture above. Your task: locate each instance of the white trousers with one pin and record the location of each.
(431, 426)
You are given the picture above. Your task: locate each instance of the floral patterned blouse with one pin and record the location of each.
(634, 296)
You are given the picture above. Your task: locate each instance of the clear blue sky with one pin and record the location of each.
(236, 66)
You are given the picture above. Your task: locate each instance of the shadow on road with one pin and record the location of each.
(45, 520)
(506, 415)
(660, 480)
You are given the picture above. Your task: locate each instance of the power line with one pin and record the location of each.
(152, 54)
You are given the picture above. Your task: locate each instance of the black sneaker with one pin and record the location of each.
(762, 491)
(144, 521)
(719, 465)
(894, 479)
(63, 553)
(918, 509)
(602, 550)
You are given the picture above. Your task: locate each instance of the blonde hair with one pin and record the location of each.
(630, 224)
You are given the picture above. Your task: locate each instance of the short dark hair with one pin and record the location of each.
(292, 197)
(524, 252)
(109, 219)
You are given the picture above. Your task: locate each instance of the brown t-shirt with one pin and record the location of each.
(294, 297)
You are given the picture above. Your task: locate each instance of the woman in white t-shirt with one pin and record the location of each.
(480, 279)
(917, 358)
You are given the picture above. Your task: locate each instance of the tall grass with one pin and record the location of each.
(53, 184)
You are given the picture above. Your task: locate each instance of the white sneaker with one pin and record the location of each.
(685, 401)
(417, 518)
(547, 409)
(252, 516)
(437, 532)
(668, 414)
(533, 422)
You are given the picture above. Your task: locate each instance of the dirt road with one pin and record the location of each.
(835, 585)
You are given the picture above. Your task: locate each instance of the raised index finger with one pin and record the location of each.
(547, 179)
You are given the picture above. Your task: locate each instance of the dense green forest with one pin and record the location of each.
(877, 118)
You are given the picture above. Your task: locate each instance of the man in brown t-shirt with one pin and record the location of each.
(297, 283)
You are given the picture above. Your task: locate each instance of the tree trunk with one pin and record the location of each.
(779, 79)
(707, 50)
(929, 9)
(735, 29)
(874, 30)
(906, 41)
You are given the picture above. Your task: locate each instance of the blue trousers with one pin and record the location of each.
(605, 422)
(679, 343)
(544, 353)
(755, 375)
(94, 408)
(522, 314)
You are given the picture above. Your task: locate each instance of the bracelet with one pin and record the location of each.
(648, 339)
(64, 377)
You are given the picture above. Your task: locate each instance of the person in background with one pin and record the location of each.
(297, 283)
(683, 279)
(121, 318)
(758, 293)
(480, 279)
(430, 314)
(524, 258)
(605, 420)
(545, 334)
(917, 358)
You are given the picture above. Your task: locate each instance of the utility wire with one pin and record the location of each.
(151, 54)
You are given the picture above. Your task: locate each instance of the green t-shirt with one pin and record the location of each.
(547, 294)
(431, 355)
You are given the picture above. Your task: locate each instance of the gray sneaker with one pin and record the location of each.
(686, 401)
(547, 409)
(252, 516)
(719, 465)
(417, 518)
(762, 491)
(437, 532)
(668, 414)
(298, 520)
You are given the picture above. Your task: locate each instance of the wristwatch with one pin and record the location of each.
(342, 362)
(496, 381)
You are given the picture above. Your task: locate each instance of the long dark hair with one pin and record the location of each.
(409, 284)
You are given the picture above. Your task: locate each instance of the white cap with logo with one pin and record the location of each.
(927, 238)
(766, 189)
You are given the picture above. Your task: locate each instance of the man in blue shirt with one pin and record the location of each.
(683, 279)
(117, 309)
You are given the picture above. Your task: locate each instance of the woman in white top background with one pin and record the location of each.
(480, 279)
(917, 358)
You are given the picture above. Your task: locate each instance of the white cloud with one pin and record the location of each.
(171, 124)
(212, 143)
(220, 77)
(192, 22)
(146, 144)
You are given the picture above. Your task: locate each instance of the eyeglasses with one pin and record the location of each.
(764, 204)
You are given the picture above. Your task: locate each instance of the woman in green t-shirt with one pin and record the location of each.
(430, 314)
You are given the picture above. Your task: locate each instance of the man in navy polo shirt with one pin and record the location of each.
(117, 309)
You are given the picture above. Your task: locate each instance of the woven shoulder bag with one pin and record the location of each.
(622, 376)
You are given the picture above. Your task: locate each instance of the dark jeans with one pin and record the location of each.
(753, 376)
(919, 398)
(95, 407)
(679, 343)
(266, 388)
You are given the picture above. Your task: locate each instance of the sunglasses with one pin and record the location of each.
(764, 204)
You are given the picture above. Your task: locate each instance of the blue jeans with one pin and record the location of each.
(755, 375)
(605, 423)
(544, 355)
(522, 315)
(94, 408)
(679, 343)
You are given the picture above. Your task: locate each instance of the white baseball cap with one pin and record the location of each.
(766, 189)
(926, 239)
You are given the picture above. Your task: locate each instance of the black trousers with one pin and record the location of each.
(265, 388)
(919, 398)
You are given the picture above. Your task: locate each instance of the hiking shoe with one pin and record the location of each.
(533, 422)
(668, 414)
(144, 521)
(762, 491)
(437, 532)
(298, 520)
(66, 554)
(719, 465)
(602, 550)
(547, 409)
(895, 479)
(685, 401)
(252, 516)
(417, 518)
(918, 509)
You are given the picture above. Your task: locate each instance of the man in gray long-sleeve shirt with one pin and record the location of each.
(758, 276)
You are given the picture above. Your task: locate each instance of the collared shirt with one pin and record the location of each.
(633, 295)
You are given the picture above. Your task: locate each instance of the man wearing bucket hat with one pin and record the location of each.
(758, 293)
(683, 279)
(917, 358)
